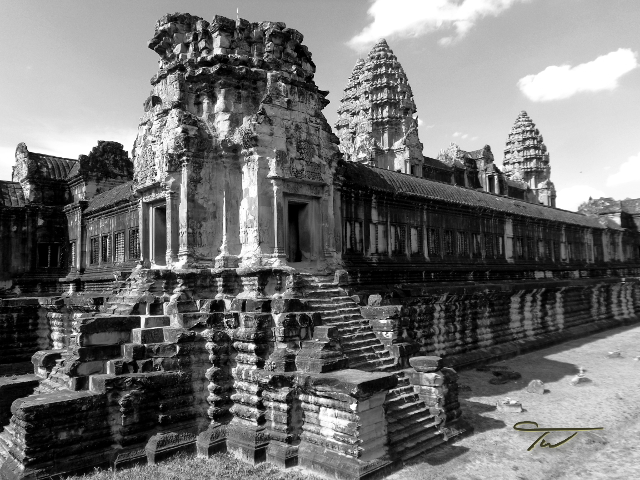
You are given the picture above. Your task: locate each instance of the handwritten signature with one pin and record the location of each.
(543, 443)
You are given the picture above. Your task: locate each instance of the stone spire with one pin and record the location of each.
(377, 122)
(526, 158)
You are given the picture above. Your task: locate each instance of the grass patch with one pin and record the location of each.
(220, 466)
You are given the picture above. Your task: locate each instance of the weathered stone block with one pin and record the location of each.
(152, 321)
(426, 364)
(143, 336)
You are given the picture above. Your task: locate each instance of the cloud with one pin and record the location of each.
(629, 172)
(570, 198)
(461, 135)
(414, 18)
(564, 81)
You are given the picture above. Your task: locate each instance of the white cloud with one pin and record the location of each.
(570, 198)
(413, 18)
(629, 172)
(462, 135)
(564, 81)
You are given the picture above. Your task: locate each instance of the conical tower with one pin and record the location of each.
(377, 122)
(526, 158)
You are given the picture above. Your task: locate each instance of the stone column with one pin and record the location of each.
(278, 219)
(172, 226)
(143, 233)
(227, 258)
(185, 254)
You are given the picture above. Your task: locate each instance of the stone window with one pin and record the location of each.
(448, 242)
(381, 238)
(548, 252)
(500, 246)
(433, 240)
(118, 240)
(416, 241)
(134, 244)
(541, 254)
(48, 255)
(94, 253)
(519, 247)
(531, 253)
(556, 250)
(353, 236)
(105, 250)
(463, 244)
(569, 250)
(488, 246)
(398, 239)
(476, 245)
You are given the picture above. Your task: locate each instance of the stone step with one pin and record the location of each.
(409, 397)
(369, 365)
(403, 410)
(398, 392)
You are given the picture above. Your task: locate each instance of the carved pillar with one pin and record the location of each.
(278, 219)
(328, 225)
(143, 233)
(228, 257)
(185, 253)
(172, 226)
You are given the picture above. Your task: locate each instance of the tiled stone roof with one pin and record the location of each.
(120, 194)
(359, 175)
(11, 194)
(53, 168)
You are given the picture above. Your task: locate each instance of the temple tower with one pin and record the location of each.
(377, 121)
(526, 158)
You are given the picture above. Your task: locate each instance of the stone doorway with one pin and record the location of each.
(158, 235)
(298, 232)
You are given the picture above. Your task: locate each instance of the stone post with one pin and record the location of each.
(278, 220)
(185, 254)
(437, 387)
(143, 233)
(172, 226)
(344, 434)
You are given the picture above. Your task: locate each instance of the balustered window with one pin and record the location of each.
(118, 240)
(106, 248)
(398, 239)
(448, 242)
(48, 255)
(433, 239)
(94, 253)
(134, 244)
(463, 244)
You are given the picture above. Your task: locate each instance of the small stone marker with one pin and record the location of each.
(508, 405)
(374, 300)
(536, 386)
(614, 354)
(426, 364)
(579, 378)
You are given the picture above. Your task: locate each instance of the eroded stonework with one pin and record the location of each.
(526, 159)
(377, 122)
(246, 287)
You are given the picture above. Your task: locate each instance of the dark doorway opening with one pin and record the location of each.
(159, 235)
(298, 244)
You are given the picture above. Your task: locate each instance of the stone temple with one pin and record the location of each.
(248, 281)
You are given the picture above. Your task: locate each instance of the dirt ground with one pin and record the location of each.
(496, 451)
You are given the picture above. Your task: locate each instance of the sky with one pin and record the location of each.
(78, 72)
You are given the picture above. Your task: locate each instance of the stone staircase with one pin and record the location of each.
(412, 428)
(337, 309)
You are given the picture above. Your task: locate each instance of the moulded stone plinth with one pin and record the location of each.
(342, 467)
(247, 442)
(165, 444)
(212, 440)
(282, 454)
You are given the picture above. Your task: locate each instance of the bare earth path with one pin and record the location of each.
(611, 400)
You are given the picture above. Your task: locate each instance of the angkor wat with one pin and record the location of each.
(250, 281)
